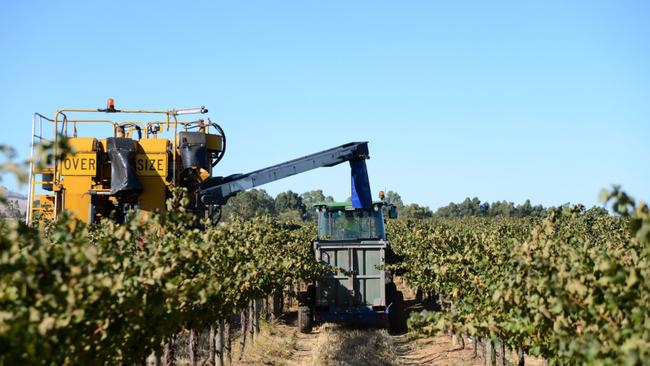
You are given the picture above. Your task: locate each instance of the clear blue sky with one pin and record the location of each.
(501, 100)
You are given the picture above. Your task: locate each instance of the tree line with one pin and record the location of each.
(288, 206)
(295, 207)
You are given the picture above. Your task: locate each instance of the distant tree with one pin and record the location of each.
(291, 216)
(451, 210)
(524, 209)
(309, 199)
(248, 204)
(474, 207)
(415, 211)
(597, 211)
(394, 199)
(469, 207)
(502, 209)
(10, 209)
(484, 209)
(289, 201)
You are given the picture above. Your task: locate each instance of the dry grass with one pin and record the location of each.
(333, 345)
(338, 346)
(328, 345)
(275, 345)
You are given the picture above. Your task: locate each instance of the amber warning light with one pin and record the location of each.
(110, 105)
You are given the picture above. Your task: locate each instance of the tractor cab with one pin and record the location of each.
(339, 221)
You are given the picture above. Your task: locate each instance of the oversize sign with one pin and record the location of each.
(151, 165)
(80, 164)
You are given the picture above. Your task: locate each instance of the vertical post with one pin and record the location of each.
(522, 358)
(192, 347)
(502, 350)
(169, 354)
(156, 359)
(211, 344)
(228, 345)
(272, 306)
(490, 353)
(251, 320)
(278, 303)
(474, 347)
(265, 308)
(175, 148)
(486, 353)
(55, 146)
(30, 192)
(290, 300)
(244, 332)
(485, 350)
(493, 354)
(218, 361)
(257, 317)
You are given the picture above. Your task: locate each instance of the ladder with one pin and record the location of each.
(41, 205)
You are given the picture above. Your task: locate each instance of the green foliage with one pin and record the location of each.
(112, 293)
(393, 198)
(249, 204)
(415, 211)
(289, 202)
(287, 206)
(10, 209)
(573, 287)
(313, 197)
(474, 207)
(9, 166)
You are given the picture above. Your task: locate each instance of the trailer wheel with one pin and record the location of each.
(397, 318)
(311, 295)
(391, 289)
(305, 322)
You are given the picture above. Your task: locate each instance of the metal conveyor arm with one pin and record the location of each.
(217, 190)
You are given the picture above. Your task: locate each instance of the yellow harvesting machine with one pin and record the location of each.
(134, 165)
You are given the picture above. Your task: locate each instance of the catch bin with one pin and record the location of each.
(358, 289)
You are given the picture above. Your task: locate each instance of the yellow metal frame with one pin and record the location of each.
(61, 117)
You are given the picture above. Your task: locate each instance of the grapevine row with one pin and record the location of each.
(113, 293)
(573, 288)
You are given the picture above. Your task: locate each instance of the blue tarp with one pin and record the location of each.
(361, 196)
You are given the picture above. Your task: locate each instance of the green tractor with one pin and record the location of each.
(360, 290)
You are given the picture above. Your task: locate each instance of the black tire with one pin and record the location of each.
(311, 295)
(396, 317)
(391, 289)
(307, 298)
(305, 321)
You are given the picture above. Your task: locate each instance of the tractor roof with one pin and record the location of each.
(342, 205)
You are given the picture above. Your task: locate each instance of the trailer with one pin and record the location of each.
(358, 290)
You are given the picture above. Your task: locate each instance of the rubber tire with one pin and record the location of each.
(311, 295)
(397, 318)
(305, 322)
(391, 289)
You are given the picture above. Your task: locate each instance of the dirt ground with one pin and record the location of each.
(280, 343)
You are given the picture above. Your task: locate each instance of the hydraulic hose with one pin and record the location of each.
(223, 147)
